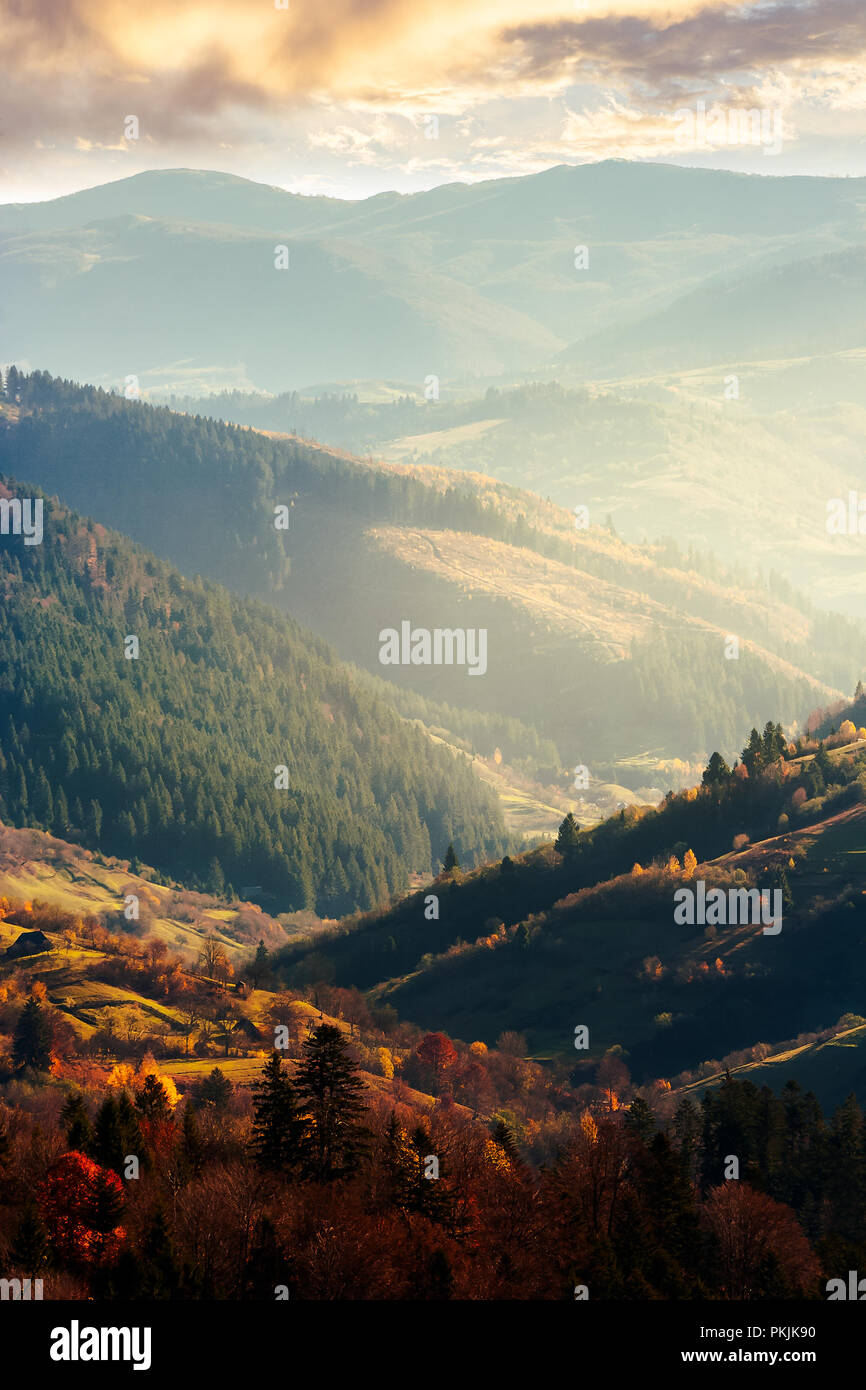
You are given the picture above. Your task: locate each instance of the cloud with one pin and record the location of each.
(663, 57)
(345, 84)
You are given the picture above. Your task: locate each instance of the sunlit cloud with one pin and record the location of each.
(335, 95)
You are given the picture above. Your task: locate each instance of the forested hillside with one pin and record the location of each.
(172, 756)
(593, 643)
(584, 931)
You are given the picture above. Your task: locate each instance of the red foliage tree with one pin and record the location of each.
(437, 1052)
(75, 1198)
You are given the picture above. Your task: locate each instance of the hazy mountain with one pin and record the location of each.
(741, 477)
(170, 276)
(611, 650)
(806, 308)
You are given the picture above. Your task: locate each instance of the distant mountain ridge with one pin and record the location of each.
(463, 281)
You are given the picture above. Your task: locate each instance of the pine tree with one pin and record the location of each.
(191, 1144)
(717, 772)
(329, 1093)
(639, 1120)
(753, 753)
(130, 1130)
(152, 1102)
(215, 1089)
(108, 1146)
(29, 1249)
(77, 1124)
(568, 837)
(106, 1208)
(160, 1273)
(260, 967)
(277, 1128)
(93, 825)
(450, 862)
(31, 1043)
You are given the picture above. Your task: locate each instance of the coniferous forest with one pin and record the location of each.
(172, 756)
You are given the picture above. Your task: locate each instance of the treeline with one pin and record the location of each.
(173, 756)
(313, 1187)
(774, 787)
(88, 444)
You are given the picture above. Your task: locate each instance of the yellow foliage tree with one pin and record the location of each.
(148, 1068)
(589, 1127)
(690, 863)
(636, 870)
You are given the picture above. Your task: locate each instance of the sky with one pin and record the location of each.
(353, 97)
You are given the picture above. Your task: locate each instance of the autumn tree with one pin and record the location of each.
(762, 1249)
(437, 1054)
(76, 1193)
(229, 1022)
(212, 957)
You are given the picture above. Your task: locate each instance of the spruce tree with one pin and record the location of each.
(108, 1147)
(130, 1130)
(639, 1120)
(31, 1043)
(277, 1128)
(29, 1249)
(160, 1272)
(329, 1091)
(568, 837)
(214, 1090)
(152, 1102)
(191, 1144)
(106, 1208)
(76, 1123)
(450, 862)
(260, 968)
